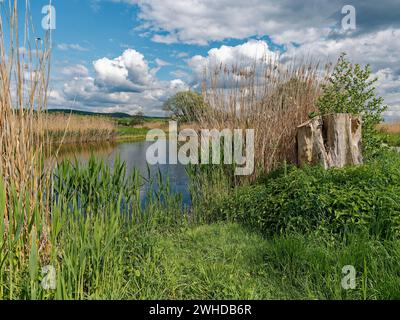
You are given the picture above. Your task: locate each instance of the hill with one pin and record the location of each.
(103, 114)
(88, 113)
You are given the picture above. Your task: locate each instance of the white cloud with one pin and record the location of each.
(388, 86)
(202, 21)
(77, 70)
(128, 72)
(72, 46)
(380, 49)
(244, 55)
(199, 22)
(161, 63)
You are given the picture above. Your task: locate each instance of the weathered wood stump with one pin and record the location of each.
(332, 140)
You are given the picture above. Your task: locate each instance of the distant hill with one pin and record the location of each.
(103, 114)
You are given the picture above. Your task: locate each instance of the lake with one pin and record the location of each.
(134, 155)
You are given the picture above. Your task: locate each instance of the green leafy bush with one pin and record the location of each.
(350, 89)
(313, 199)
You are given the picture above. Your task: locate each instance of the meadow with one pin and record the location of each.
(81, 231)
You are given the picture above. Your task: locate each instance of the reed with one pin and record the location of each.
(96, 212)
(391, 128)
(66, 129)
(270, 97)
(24, 75)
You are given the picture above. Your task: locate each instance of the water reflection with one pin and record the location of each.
(134, 155)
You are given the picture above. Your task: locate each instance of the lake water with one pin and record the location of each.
(134, 155)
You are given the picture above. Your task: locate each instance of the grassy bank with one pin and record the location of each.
(227, 261)
(139, 132)
(112, 245)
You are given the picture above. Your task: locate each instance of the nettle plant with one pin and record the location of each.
(351, 89)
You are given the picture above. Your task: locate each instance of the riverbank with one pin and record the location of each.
(70, 129)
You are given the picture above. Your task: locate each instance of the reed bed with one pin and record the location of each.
(24, 74)
(24, 212)
(68, 129)
(97, 216)
(269, 97)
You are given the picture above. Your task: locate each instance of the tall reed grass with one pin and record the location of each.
(270, 97)
(97, 213)
(65, 129)
(24, 75)
(391, 128)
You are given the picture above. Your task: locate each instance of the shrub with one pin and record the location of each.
(350, 89)
(316, 200)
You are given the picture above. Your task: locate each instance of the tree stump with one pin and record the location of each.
(332, 140)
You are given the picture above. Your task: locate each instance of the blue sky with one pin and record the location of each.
(131, 55)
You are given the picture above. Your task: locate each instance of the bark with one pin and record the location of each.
(332, 140)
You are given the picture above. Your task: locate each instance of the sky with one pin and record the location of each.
(132, 55)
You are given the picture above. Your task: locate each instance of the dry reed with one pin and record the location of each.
(269, 97)
(392, 128)
(66, 129)
(24, 74)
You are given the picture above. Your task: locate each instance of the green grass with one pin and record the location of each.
(126, 131)
(129, 132)
(221, 261)
(310, 267)
(391, 139)
(228, 261)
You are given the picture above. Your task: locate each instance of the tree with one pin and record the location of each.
(350, 89)
(138, 118)
(186, 106)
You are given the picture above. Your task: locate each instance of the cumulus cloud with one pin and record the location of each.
(199, 22)
(378, 49)
(125, 83)
(243, 55)
(388, 86)
(129, 72)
